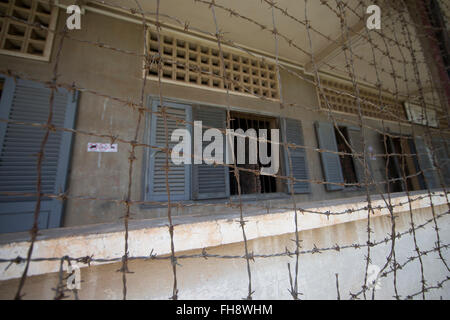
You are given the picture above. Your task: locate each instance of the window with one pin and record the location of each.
(398, 161)
(429, 175)
(251, 183)
(415, 158)
(200, 181)
(341, 169)
(18, 37)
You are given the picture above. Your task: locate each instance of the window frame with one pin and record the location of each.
(145, 180)
(347, 127)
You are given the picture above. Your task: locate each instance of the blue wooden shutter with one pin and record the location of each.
(179, 175)
(331, 164)
(394, 161)
(442, 147)
(19, 144)
(354, 136)
(420, 178)
(292, 132)
(209, 181)
(426, 164)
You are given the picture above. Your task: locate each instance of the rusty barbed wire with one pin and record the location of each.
(235, 171)
(89, 259)
(236, 46)
(340, 10)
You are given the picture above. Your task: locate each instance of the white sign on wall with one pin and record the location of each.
(417, 114)
(101, 147)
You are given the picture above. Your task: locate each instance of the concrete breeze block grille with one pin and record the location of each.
(370, 104)
(196, 63)
(21, 39)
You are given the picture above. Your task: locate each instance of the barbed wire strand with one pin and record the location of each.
(410, 37)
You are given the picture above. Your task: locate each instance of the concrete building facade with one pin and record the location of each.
(109, 85)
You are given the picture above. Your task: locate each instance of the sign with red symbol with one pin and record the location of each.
(102, 147)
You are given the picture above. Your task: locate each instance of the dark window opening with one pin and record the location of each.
(395, 172)
(250, 182)
(403, 163)
(347, 164)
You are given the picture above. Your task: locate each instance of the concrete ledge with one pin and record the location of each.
(107, 240)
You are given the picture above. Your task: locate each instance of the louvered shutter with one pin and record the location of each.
(394, 162)
(209, 181)
(426, 164)
(441, 148)
(331, 164)
(179, 175)
(292, 132)
(420, 178)
(27, 101)
(354, 136)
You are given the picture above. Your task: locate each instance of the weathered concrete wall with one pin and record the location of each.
(227, 279)
(119, 75)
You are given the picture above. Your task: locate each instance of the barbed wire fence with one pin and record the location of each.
(391, 38)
